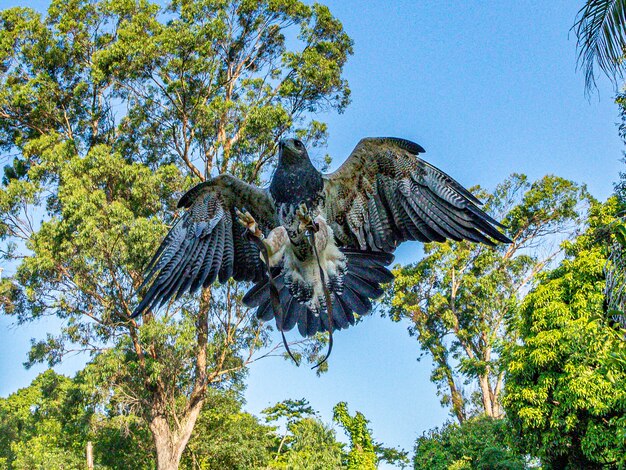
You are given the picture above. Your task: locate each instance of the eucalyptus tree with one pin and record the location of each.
(459, 299)
(109, 109)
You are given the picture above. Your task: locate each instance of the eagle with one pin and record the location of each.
(316, 246)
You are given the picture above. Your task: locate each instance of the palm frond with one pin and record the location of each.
(601, 38)
(615, 274)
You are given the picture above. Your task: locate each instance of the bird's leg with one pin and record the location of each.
(273, 244)
(306, 221)
(248, 222)
(256, 237)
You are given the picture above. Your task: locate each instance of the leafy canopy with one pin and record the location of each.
(564, 397)
(478, 443)
(109, 109)
(459, 298)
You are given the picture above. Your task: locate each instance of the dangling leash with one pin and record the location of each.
(329, 304)
(274, 295)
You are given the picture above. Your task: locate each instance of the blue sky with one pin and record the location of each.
(487, 90)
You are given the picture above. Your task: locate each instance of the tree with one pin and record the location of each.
(459, 297)
(306, 441)
(312, 445)
(108, 110)
(615, 270)
(227, 437)
(44, 425)
(601, 38)
(309, 443)
(364, 452)
(48, 424)
(290, 411)
(480, 442)
(565, 398)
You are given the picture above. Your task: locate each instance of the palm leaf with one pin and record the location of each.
(601, 38)
(615, 273)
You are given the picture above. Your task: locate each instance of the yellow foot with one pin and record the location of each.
(248, 222)
(306, 221)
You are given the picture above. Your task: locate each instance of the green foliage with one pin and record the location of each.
(565, 398)
(109, 109)
(121, 441)
(362, 454)
(312, 445)
(615, 237)
(44, 425)
(307, 442)
(478, 443)
(290, 410)
(38, 453)
(227, 437)
(48, 424)
(601, 34)
(459, 297)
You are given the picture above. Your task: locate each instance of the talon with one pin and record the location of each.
(306, 221)
(247, 221)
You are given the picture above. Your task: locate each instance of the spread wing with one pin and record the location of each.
(385, 194)
(207, 242)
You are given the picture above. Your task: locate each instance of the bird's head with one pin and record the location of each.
(292, 151)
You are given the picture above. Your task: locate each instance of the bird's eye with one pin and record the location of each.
(298, 144)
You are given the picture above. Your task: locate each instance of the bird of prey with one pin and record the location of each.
(314, 243)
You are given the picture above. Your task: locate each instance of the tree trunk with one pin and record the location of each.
(483, 380)
(458, 402)
(171, 444)
(89, 456)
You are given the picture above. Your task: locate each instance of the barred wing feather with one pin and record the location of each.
(207, 243)
(385, 194)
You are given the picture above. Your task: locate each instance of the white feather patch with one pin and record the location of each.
(306, 272)
(276, 241)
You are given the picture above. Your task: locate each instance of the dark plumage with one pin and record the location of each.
(382, 195)
(295, 180)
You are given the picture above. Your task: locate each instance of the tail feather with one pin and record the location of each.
(285, 298)
(265, 312)
(355, 302)
(260, 292)
(366, 271)
(365, 288)
(346, 310)
(340, 319)
(257, 295)
(309, 323)
(374, 273)
(294, 311)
